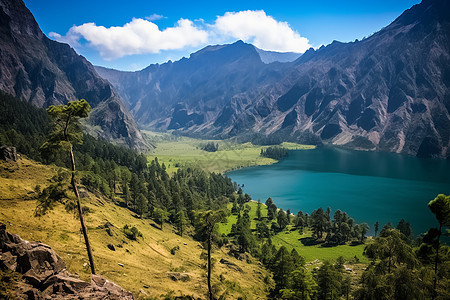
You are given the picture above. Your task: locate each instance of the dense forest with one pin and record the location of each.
(402, 266)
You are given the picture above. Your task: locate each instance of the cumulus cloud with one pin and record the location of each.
(137, 37)
(142, 36)
(261, 30)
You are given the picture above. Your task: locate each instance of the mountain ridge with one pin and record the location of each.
(387, 92)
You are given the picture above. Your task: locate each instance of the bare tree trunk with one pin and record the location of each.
(80, 213)
(209, 268)
(436, 260)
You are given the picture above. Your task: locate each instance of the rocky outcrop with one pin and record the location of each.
(44, 273)
(8, 153)
(45, 72)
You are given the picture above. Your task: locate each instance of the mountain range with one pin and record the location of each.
(387, 92)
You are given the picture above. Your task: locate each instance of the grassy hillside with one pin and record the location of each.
(149, 269)
(176, 151)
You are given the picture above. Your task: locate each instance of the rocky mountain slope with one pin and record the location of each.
(193, 92)
(45, 72)
(388, 92)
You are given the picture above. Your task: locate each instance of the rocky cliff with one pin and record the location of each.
(388, 92)
(44, 72)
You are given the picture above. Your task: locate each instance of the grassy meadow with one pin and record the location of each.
(175, 151)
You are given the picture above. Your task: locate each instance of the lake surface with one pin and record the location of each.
(369, 186)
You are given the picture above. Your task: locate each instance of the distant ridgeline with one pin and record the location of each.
(275, 152)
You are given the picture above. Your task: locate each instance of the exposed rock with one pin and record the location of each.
(44, 273)
(8, 153)
(177, 276)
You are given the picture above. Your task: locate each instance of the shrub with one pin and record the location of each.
(131, 232)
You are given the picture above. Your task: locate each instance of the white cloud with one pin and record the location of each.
(137, 37)
(154, 17)
(261, 30)
(143, 36)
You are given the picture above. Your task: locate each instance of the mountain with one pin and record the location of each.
(196, 92)
(45, 72)
(388, 92)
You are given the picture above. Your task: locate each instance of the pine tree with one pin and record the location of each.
(65, 133)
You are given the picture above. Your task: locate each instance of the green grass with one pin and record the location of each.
(175, 151)
(291, 239)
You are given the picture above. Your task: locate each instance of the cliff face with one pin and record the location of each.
(388, 92)
(45, 72)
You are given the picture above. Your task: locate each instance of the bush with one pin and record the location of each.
(174, 249)
(132, 233)
(210, 147)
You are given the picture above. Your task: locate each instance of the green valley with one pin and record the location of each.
(176, 151)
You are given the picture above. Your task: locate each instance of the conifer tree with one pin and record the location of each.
(65, 133)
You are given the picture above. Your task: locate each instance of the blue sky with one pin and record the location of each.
(130, 35)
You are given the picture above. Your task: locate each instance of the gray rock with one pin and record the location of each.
(8, 153)
(45, 276)
(387, 92)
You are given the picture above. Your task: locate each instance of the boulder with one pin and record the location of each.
(44, 273)
(8, 153)
(177, 276)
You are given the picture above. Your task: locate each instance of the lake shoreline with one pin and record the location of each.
(384, 187)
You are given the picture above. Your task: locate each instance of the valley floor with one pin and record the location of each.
(175, 151)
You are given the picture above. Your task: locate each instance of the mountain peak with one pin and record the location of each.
(15, 15)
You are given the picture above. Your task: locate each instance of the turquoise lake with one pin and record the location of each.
(369, 186)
